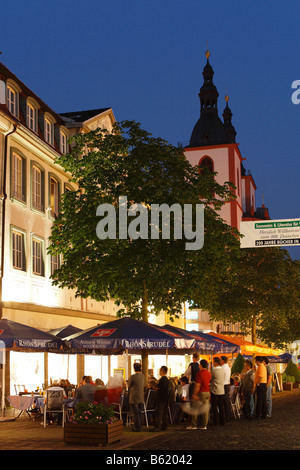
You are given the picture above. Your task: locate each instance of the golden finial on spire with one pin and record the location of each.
(226, 98)
(207, 53)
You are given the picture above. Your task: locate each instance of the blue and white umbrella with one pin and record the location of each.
(18, 337)
(127, 334)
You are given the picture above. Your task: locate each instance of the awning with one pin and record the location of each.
(246, 346)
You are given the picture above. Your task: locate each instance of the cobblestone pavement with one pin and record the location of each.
(280, 432)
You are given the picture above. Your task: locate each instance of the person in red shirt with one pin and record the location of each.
(202, 394)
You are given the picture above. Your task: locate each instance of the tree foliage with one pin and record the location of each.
(141, 275)
(265, 296)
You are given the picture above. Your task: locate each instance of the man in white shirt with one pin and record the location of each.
(217, 392)
(227, 375)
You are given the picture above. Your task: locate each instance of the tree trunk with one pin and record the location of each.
(253, 330)
(145, 362)
(253, 338)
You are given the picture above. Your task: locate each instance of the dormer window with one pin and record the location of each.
(49, 128)
(48, 131)
(63, 142)
(12, 100)
(31, 115)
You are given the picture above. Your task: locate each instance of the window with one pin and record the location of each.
(207, 164)
(18, 177)
(63, 142)
(55, 263)
(18, 250)
(11, 100)
(192, 315)
(31, 114)
(192, 327)
(37, 188)
(48, 131)
(54, 195)
(37, 257)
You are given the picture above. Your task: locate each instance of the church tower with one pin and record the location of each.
(212, 145)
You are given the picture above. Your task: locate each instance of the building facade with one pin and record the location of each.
(32, 136)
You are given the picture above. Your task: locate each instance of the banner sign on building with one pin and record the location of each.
(270, 233)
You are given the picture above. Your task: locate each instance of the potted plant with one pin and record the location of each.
(293, 371)
(288, 381)
(93, 424)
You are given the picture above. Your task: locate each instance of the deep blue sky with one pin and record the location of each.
(145, 60)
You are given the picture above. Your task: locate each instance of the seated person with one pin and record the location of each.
(177, 413)
(86, 391)
(115, 386)
(99, 384)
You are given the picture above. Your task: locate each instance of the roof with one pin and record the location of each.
(82, 116)
(7, 74)
(209, 130)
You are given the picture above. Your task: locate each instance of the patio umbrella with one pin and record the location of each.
(246, 346)
(18, 337)
(208, 344)
(65, 331)
(279, 359)
(203, 345)
(126, 334)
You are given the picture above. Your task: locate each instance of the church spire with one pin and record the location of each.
(209, 129)
(208, 92)
(227, 116)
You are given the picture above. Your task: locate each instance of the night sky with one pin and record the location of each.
(144, 59)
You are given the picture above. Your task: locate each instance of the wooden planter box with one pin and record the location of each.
(296, 385)
(93, 434)
(287, 386)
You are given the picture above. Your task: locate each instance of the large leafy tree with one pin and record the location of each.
(264, 297)
(143, 275)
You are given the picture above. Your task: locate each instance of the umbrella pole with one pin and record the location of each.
(167, 358)
(126, 365)
(2, 351)
(68, 366)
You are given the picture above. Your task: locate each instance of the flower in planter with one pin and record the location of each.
(87, 412)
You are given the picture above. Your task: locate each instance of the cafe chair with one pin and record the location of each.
(149, 405)
(236, 403)
(54, 404)
(19, 389)
(117, 406)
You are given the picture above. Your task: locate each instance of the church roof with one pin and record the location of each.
(210, 129)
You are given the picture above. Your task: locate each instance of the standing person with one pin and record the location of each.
(162, 398)
(247, 389)
(202, 393)
(260, 384)
(191, 374)
(193, 369)
(227, 374)
(136, 395)
(269, 386)
(217, 392)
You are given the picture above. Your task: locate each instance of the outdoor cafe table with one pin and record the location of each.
(21, 403)
(69, 402)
